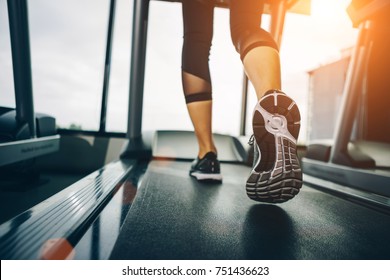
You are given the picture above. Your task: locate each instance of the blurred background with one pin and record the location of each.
(68, 46)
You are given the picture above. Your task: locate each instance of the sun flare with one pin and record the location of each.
(329, 9)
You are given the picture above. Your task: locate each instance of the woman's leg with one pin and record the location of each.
(201, 117)
(258, 51)
(276, 175)
(262, 66)
(198, 32)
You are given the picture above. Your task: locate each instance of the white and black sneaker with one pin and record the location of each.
(206, 168)
(276, 175)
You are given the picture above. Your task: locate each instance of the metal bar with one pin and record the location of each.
(278, 14)
(107, 66)
(244, 104)
(137, 72)
(363, 10)
(291, 3)
(21, 60)
(352, 90)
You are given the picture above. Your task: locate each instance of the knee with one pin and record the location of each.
(195, 55)
(245, 39)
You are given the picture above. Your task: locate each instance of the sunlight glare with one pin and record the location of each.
(333, 10)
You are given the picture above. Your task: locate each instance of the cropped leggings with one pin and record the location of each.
(246, 34)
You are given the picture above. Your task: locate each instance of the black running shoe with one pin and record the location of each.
(276, 175)
(206, 168)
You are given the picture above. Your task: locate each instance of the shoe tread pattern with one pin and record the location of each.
(278, 176)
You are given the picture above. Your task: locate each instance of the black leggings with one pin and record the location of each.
(246, 34)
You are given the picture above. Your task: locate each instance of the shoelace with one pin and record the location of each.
(251, 140)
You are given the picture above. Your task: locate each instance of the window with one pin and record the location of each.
(68, 40)
(7, 96)
(164, 105)
(308, 42)
(67, 52)
(118, 96)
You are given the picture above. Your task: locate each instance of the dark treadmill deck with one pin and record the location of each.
(175, 217)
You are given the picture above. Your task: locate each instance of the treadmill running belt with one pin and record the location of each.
(176, 217)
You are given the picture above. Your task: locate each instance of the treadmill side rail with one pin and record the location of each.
(52, 228)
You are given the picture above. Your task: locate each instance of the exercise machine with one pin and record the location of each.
(356, 162)
(24, 134)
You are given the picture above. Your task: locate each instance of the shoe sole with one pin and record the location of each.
(205, 176)
(276, 176)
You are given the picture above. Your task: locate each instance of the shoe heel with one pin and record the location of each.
(276, 177)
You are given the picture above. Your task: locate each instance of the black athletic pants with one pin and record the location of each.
(246, 34)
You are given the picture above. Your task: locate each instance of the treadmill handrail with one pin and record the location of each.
(362, 12)
(63, 218)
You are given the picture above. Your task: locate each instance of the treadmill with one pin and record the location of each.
(24, 134)
(146, 206)
(356, 162)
